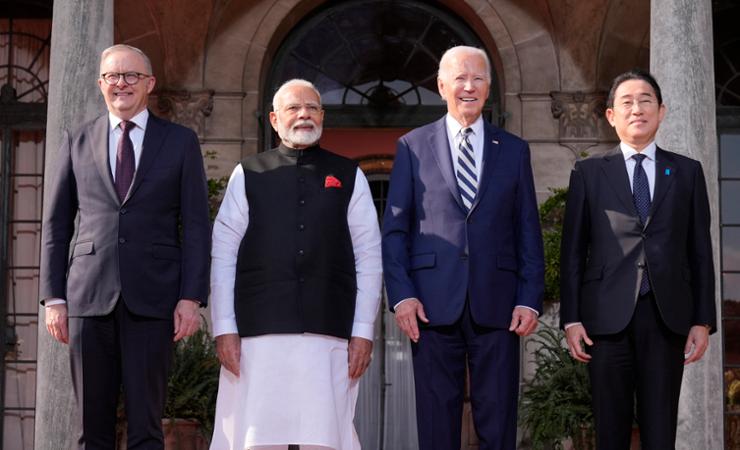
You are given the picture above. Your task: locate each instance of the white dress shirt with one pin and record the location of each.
(231, 225)
(648, 164)
(136, 134)
(455, 137)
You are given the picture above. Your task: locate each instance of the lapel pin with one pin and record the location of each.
(668, 171)
(495, 141)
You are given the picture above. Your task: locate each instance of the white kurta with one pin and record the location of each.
(293, 388)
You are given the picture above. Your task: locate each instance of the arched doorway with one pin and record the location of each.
(375, 64)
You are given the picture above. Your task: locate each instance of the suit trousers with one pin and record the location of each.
(642, 362)
(117, 350)
(439, 360)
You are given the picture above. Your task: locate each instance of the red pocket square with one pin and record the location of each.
(332, 182)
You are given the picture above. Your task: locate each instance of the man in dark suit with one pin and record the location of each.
(130, 281)
(462, 254)
(637, 277)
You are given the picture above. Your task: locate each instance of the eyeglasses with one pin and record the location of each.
(628, 104)
(130, 78)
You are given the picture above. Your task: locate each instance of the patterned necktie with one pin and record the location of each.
(641, 197)
(467, 180)
(125, 163)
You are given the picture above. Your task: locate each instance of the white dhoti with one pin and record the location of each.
(293, 389)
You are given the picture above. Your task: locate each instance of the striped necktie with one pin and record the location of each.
(467, 180)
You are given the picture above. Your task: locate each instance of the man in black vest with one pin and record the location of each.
(295, 287)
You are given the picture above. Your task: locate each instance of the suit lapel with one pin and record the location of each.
(664, 175)
(441, 150)
(491, 152)
(100, 152)
(153, 139)
(616, 174)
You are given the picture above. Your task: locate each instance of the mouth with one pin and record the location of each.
(304, 126)
(122, 94)
(468, 99)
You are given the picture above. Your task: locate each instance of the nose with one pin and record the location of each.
(121, 81)
(304, 113)
(468, 86)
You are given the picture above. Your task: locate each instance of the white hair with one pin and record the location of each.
(291, 83)
(130, 48)
(454, 51)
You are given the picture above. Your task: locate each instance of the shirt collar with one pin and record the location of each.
(648, 151)
(454, 127)
(140, 120)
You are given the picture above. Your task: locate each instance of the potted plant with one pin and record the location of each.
(551, 218)
(556, 402)
(191, 393)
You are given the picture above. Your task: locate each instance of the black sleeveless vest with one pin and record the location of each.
(295, 270)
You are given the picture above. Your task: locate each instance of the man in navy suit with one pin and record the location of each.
(463, 259)
(128, 281)
(637, 273)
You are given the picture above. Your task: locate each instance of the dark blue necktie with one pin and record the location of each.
(641, 197)
(125, 161)
(467, 180)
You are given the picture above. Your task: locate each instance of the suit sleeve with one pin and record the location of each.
(397, 223)
(531, 280)
(58, 224)
(196, 227)
(700, 255)
(573, 248)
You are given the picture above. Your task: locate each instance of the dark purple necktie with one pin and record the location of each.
(641, 197)
(125, 163)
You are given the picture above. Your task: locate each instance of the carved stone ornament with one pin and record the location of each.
(188, 108)
(579, 115)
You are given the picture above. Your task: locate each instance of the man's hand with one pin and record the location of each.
(696, 344)
(229, 351)
(407, 314)
(56, 322)
(360, 352)
(576, 335)
(523, 321)
(187, 318)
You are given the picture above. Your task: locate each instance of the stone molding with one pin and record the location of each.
(578, 114)
(187, 108)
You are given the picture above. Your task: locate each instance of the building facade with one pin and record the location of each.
(218, 63)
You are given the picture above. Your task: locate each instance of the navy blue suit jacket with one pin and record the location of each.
(434, 251)
(152, 249)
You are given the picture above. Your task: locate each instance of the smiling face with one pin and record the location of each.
(464, 84)
(298, 117)
(636, 113)
(124, 100)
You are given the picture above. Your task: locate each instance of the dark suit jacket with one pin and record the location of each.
(605, 247)
(433, 250)
(152, 250)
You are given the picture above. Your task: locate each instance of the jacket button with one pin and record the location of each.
(300, 252)
(301, 280)
(301, 227)
(641, 265)
(123, 211)
(121, 240)
(301, 202)
(463, 256)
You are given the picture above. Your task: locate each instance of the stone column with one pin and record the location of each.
(81, 29)
(681, 59)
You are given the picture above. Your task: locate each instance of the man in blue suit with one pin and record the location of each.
(463, 259)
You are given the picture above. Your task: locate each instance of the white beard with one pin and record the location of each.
(300, 137)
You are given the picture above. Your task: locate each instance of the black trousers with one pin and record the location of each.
(118, 350)
(643, 362)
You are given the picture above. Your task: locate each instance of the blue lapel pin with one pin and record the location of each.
(668, 171)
